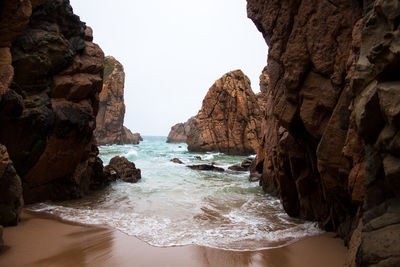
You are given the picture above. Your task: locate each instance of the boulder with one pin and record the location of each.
(244, 166)
(229, 120)
(121, 168)
(176, 160)
(205, 167)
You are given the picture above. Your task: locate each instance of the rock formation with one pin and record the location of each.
(50, 78)
(377, 113)
(179, 132)
(229, 120)
(331, 123)
(122, 169)
(206, 167)
(242, 167)
(110, 119)
(310, 154)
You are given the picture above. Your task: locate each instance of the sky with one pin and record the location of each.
(172, 52)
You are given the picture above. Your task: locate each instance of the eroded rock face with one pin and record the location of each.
(11, 200)
(311, 155)
(110, 119)
(229, 120)
(121, 168)
(48, 111)
(377, 109)
(179, 132)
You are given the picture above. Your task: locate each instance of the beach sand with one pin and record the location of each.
(41, 240)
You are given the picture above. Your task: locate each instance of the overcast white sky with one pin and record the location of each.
(172, 52)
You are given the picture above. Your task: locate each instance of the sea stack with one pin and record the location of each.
(229, 120)
(110, 127)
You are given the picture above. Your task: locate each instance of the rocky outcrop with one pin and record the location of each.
(377, 110)
(122, 169)
(311, 155)
(229, 120)
(244, 166)
(179, 132)
(176, 160)
(205, 167)
(49, 97)
(110, 119)
(11, 200)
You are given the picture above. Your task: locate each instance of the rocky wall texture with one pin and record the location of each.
(311, 155)
(229, 119)
(377, 108)
(110, 119)
(49, 98)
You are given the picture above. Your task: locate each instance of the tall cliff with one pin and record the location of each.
(50, 78)
(377, 108)
(229, 119)
(311, 155)
(331, 131)
(110, 119)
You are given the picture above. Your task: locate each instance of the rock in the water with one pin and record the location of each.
(176, 160)
(229, 120)
(179, 132)
(205, 167)
(244, 166)
(122, 168)
(110, 118)
(11, 200)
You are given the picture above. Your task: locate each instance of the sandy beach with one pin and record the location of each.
(40, 240)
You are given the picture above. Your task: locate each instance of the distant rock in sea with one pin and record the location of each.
(179, 132)
(229, 120)
(121, 168)
(176, 160)
(110, 118)
(205, 167)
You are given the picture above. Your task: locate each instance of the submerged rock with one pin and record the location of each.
(176, 160)
(205, 167)
(229, 120)
(110, 119)
(11, 201)
(121, 168)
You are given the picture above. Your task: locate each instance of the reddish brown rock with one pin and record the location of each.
(229, 120)
(11, 201)
(110, 119)
(377, 111)
(48, 112)
(312, 50)
(179, 132)
(122, 169)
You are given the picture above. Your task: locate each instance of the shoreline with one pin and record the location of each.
(44, 240)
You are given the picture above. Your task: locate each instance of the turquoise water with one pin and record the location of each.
(174, 205)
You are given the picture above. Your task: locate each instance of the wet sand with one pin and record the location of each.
(40, 240)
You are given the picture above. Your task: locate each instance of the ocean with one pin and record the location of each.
(173, 205)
